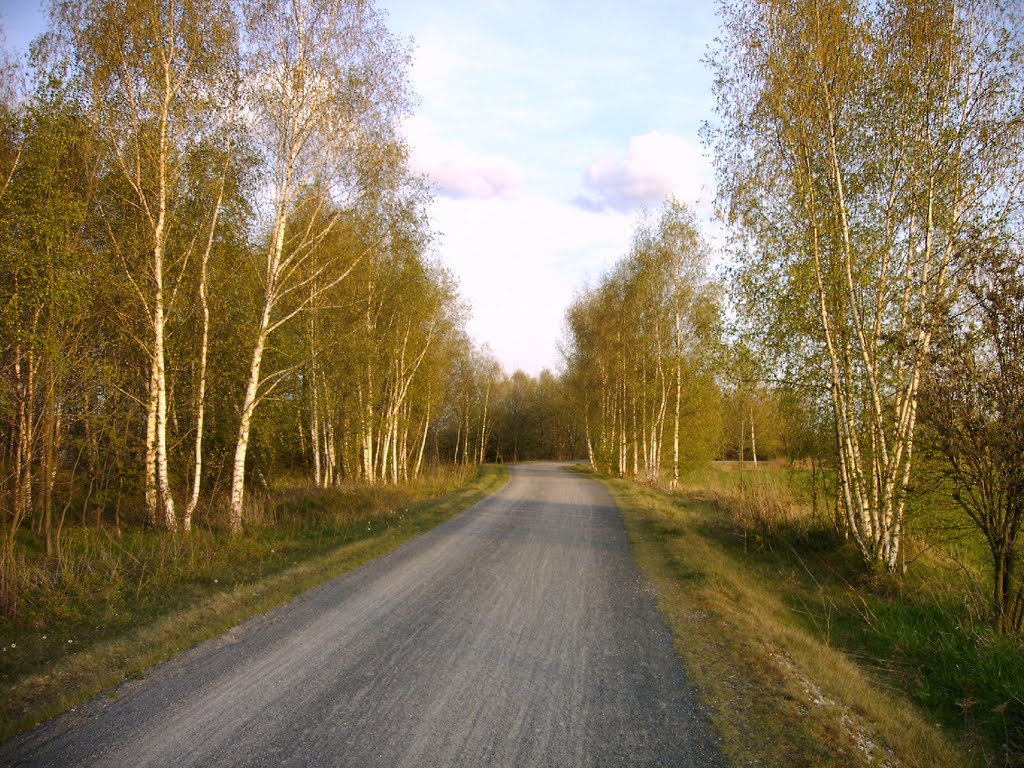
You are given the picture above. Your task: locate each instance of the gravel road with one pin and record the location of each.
(519, 633)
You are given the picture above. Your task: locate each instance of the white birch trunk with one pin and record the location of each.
(483, 423)
(170, 521)
(368, 455)
(152, 500)
(394, 450)
(330, 454)
(314, 425)
(197, 470)
(244, 428)
(458, 442)
(423, 443)
(252, 386)
(753, 438)
(204, 302)
(405, 448)
(25, 375)
(586, 429)
(675, 421)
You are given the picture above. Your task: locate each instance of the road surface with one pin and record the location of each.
(516, 634)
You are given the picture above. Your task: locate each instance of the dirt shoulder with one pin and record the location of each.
(776, 693)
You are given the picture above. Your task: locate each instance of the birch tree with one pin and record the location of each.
(857, 145)
(215, 185)
(149, 71)
(325, 82)
(636, 350)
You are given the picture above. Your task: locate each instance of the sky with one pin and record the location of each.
(544, 129)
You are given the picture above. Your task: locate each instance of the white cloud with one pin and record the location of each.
(655, 166)
(505, 141)
(519, 262)
(457, 170)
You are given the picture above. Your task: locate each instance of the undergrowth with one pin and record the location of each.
(925, 634)
(776, 693)
(112, 587)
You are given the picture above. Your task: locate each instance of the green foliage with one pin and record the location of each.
(973, 405)
(865, 151)
(533, 419)
(137, 203)
(638, 352)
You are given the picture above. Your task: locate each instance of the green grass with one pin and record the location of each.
(802, 658)
(121, 603)
(958, 671)
(925, 634)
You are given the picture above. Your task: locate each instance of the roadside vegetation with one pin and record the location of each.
(856, 576)
(218, 279)
(124, 600)
(806, 659)
(227, 345)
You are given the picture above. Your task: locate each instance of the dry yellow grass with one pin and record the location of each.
(75, 678)
(777, 694)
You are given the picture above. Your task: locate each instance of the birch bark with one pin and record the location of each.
(877, 164)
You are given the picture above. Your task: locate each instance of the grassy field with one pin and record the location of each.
(122, 602)
(807, 660)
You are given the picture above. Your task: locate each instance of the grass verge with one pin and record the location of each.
(778, 691)
(183, 590)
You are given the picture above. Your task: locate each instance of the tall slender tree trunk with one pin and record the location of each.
(675, 420)
(620, 421)
(152, 494)
(160, 378)
(405, 447)
(170, 521)
(19, 437)
(368, 416)
(314, 425)
(342, 470)
(197, 467)
(204, 347)
(330, 453)
(743, 439)
(245, 425)
(270, 298)
(387, 430)
(483, 423)
(423, 442)
(753, 438)
(586, 429)
(394, 450)
(458, 442)
(50, 430)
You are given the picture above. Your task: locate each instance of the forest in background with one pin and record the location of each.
(219, 285)
(218, 272)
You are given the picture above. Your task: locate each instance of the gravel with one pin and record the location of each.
(518, 633)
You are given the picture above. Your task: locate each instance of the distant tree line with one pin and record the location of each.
(217, 268)
(640, 352)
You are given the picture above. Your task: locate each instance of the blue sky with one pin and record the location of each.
(545, 127)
